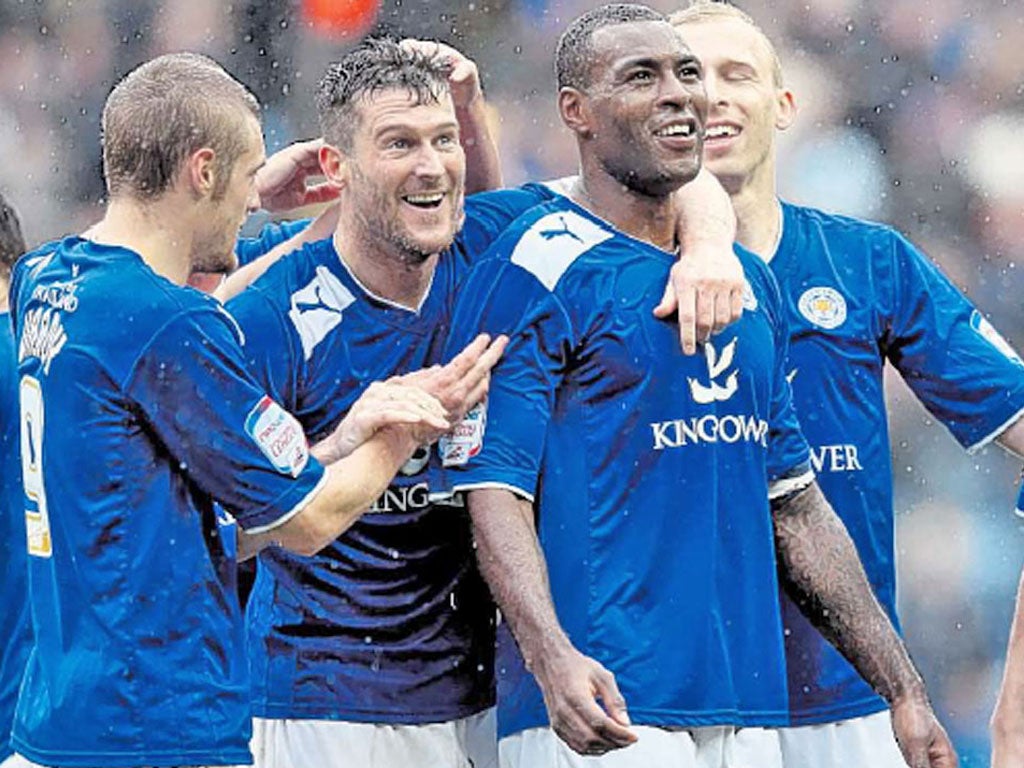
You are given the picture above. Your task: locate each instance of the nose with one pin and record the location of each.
(428, 161)
(253, 204)
(716, 95)
(673, 92)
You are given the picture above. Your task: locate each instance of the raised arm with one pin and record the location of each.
(513, 564)
(483, 167)
(819, 568)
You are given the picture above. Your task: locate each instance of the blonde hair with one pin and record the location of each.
(699, 11)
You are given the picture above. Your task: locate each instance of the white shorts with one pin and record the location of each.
(710, 747)
(854, 743)
(466, 743)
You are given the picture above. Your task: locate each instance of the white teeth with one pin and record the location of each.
(430, 199)
(717, 131)
(683, 129)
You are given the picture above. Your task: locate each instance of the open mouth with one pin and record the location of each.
(721, 131)
(424, 200)
(684, 130)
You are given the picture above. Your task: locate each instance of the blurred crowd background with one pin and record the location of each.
(910, 113)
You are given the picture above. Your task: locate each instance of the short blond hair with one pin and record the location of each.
(716, 10)
(164, 110)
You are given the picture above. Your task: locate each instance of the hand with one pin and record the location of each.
(706, 288)
(922, 739)
(463, 382)
(388, 405)
(463, 79)
(572, 684)
(282, 183)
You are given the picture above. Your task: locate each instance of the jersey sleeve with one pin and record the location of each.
(501, 445)
(956, 363)
(788, 465)
(248, 249)
(489, 213)
(268, 345)
(235, 442)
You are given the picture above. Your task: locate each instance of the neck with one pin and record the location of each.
(756, 202)
(5, 287)
(154, 230)
(651, 219)
(384, 274)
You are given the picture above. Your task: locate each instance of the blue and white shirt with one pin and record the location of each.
(650, 471)
(856, 295)
(137, 412)
(390, 623)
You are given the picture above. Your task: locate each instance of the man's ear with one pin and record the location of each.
(201, 172)
(785, 109)
(572, 106)
(334, 164)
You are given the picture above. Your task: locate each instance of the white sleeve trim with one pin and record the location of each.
(292, 512)
(493, 486)
(996, 432)
(562, 186)
(787, 485)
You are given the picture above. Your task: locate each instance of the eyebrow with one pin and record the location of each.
(447, 125)
(654, 62)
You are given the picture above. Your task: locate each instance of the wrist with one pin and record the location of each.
(909, 693)
(547, 651)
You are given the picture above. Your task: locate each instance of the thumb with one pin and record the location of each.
(668, 303)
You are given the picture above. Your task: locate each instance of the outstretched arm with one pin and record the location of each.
(513, 564)
(378, 434)
(706, 283)
(820, 569)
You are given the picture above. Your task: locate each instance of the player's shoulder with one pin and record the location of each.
(77, 274)
(316, 261)
(837, 225)
(552, 238)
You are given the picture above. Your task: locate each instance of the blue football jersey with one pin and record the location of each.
(15, 626)
(248, 249)
(650, 470)
(391, 622)
(857, 295)
(136, 412)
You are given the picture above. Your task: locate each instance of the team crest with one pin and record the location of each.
(986, 330)
(823, 306)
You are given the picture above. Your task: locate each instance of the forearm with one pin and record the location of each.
(706, 216)
(1008, 717)
(1012, 438)
(512, 562)
(321, 227)
(483, 166)
(351, 486)
(820, 569)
